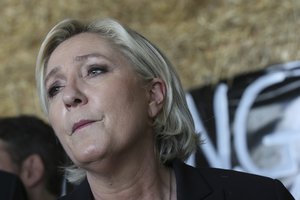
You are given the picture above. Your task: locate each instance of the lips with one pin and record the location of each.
(81, 124)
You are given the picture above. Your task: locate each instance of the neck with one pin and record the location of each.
(147, 182)
(133, 173)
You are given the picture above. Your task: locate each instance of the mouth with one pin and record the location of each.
(81, 124)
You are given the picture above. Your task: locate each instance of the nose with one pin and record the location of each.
(73, 96)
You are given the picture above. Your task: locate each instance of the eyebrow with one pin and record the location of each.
(87, 56)
(81, 58)
(54, 71)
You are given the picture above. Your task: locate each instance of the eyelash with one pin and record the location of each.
(53, 90)
(95, 70)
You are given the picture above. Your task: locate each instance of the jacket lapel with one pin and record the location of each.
(192, 185)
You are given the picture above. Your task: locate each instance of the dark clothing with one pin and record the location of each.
(211, 184)
(11, 187)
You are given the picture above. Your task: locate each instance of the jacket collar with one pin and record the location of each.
(192, 185)
(80, 192)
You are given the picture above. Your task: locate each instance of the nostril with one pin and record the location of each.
(73, 97)
(74, 102)
(77, 101)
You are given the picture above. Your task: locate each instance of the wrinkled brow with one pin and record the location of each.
(87, 56)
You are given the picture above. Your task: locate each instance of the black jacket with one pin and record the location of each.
(11, 187)
(211, 184)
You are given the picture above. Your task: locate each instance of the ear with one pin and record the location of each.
(157, 97)
(32, 170)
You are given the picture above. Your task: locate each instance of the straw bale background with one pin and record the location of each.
(206, 39)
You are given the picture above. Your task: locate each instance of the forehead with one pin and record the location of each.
(82, 44)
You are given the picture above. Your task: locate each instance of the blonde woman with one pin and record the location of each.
(119, 110)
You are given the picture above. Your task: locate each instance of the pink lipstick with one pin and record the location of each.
(81, 124)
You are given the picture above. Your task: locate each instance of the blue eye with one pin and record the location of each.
(96, 70)
(53, 90)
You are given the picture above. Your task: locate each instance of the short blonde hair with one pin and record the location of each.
(174, 127)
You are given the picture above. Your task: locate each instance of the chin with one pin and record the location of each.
(88, 156)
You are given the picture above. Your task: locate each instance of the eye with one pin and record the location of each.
(95, 70)
(53, 90)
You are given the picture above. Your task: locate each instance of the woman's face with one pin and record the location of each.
(98, 106)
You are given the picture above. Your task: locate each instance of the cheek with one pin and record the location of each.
(52, 117)
(128, 107)
(56, 120)
(57, 124)
(122, 101)
(54, 113)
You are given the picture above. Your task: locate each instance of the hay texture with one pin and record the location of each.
(205, 40)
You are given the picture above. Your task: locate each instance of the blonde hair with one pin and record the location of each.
(174, 127)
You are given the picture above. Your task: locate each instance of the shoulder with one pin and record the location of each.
(236, 179)
(233, 184)
(223, 176)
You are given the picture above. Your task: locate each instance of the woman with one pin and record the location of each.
(118, 108)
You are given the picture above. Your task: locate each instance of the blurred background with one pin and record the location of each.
(205, 40)
(233, 42)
